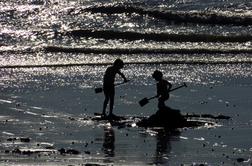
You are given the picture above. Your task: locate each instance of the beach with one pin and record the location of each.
(47, 122)
(54, 54)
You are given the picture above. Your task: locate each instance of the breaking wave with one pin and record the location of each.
(129, 35)
(142, 58)
(189, 62)
(206, 17)
(145, 50)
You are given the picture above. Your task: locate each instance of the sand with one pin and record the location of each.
(46, 126)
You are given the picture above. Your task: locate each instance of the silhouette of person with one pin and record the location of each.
(163, 88)
(109, 87)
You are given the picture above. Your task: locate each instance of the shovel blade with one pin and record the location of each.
(98, 90)
(143, 102)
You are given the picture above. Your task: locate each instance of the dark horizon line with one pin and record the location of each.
(190, 62)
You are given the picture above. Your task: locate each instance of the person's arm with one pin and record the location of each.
(158, 90)
(123, 76)
(169, 85)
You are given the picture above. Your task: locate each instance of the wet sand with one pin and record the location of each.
(47, 127)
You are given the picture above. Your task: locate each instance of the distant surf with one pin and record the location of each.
(130, 35)
(176, 17)
(145, 50)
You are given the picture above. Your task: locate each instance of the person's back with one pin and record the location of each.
(162, 88)
(109, 76)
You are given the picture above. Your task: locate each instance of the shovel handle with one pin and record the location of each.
(153, 97)
(181, 86)
(99, 90)
(145, 100)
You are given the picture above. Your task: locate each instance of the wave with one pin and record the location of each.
(175, 62)
(145, 50)
(120, 51)
(129, 35)
(206, 17)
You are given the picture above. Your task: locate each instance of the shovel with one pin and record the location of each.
(99, 90)
(146, 100)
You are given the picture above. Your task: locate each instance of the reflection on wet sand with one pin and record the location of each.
(163, 146)
(109, 142)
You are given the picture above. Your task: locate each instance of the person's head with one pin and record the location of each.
(157, 75)
(118, 64)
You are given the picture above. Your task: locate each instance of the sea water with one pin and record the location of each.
(54, 53)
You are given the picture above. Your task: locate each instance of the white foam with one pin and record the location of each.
(200, 139)
(31, 113)
(183, 137)
(5, 101)
(7, 133)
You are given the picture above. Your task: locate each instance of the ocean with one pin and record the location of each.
(54, 53)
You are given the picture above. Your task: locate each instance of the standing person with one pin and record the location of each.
(163, 88)
(109, 87)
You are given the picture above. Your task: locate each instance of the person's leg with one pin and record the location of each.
(161, 102)
(105, 103)
(111, 99)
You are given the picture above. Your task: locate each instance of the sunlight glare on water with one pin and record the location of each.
(54, 53)
(138, 74)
